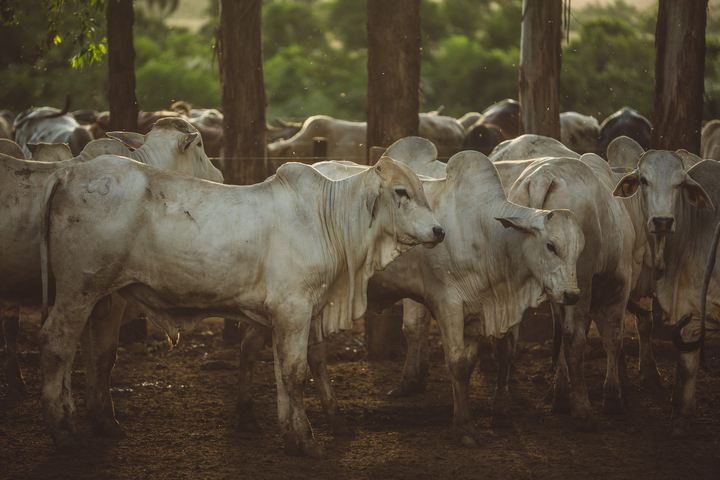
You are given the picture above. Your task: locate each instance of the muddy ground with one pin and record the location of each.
(178, 412)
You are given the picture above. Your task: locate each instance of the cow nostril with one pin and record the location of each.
(439, 233)
(570, 298)
(663, 223)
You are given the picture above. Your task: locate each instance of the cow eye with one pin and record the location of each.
(199, 144)
(551, 248)
(643, 181)
(401, 192)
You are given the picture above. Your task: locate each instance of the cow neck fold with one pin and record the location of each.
(355, 249)
(686, 253)
(486, 260)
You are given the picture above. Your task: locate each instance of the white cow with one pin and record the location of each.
(710, 140)
(678, 207)
(607, 270)
(347, 140)
(49, 125)
(9, 147)
(49, 152)
(621, 151)
(578, 132)
(172, 144)
(530, 146)
(302, 249)
(471, 283)
(469, 119)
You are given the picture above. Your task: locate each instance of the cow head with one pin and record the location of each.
(396, 200)
(551, 250)
(664, 185)
(174, 144)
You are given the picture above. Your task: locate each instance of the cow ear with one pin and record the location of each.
(518, 223)
(131, 139)
(696, 195)
(627, 187)
(187, 140)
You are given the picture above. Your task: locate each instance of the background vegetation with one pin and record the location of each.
(316, 59)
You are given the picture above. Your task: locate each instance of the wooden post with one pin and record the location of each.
(540, 68)
(679, 75)
(239, 46)
(393, 104)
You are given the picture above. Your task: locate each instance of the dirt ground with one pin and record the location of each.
(177, 408)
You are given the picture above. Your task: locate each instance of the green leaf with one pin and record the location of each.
(57, 39)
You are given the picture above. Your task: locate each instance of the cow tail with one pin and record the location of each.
(680, 344)
(51, 185)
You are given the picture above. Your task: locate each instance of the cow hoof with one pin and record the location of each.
(315, 451)
(585, 425)
(653, 383)
(468, 441)
(110, 429)
(501, 421)
(613, 407)
(407, 390)
(249, 426)
(561, 405)
(312, 450)
(343, 431)
(67, 442)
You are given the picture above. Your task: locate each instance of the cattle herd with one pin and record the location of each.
(105, 226)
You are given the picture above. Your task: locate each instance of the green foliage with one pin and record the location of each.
(609, 66)
(463, 76)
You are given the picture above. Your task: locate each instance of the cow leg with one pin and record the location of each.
(317, 359)
(487, 362)
(11, 327)
(58, 340)
(99, 340)
(416, 327)
(574, 327)
(254, 339)
(290, 346)
(612, 335)
(501, 417)
(683, 396)
(650, 377)
(460, 356)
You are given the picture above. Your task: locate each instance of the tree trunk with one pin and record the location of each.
(539, 94)
(393, 104)
(121, 66)
(679, 75)
(393, 100)
(243, 91)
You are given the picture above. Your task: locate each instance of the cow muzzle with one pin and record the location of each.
(570, 298)
(434, 235)
(661, 226)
